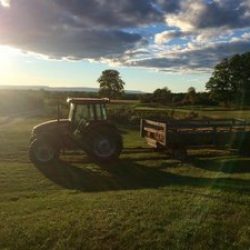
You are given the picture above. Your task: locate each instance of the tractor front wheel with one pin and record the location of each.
(42, 152)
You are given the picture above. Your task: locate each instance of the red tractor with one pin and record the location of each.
(87, 128)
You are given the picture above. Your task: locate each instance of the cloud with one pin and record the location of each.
(199, 14)
(195, 58)
(198, 33)
(246, 36)
(74, 29)
(112, 13)
(211, 31)
(169, 6)
(168, 35)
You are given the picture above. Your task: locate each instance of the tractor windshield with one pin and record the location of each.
(101, 113)
(82, 113)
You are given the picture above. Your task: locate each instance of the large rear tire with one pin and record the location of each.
(42, 152)
(105, 146)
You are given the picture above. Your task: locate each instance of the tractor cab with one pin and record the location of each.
(85, 110)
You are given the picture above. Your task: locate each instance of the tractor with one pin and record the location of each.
(87, 128)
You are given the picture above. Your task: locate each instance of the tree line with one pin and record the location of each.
(228, 85)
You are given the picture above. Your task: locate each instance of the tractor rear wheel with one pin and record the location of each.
(42, 152)
(105, 146)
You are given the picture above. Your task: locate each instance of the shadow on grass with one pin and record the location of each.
(233, 164)
(137, 150)
(128, 174)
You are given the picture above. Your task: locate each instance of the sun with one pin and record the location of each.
(5, 3)
(8, 62)
(7, 55)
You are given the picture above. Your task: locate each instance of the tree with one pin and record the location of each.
(230, 81)
(111, 84)
(191, 95)
(162, 96)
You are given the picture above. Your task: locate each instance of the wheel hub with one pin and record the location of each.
(104, 148)
(44, 153)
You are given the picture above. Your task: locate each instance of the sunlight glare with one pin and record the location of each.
(8, 62)
(6, 56)
(5, 3)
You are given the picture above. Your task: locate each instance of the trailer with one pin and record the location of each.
(176, 136)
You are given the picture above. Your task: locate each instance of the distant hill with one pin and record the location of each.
(60, 89)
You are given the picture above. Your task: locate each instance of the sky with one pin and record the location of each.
(152, 43)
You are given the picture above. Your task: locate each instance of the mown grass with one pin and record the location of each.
(144, 201)
(215, 113)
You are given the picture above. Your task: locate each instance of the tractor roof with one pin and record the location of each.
(87, 100)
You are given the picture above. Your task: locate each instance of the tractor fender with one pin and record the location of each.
(53, 138)
(102, 126)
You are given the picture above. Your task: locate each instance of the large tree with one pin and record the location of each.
(230, 81)
(190, 96)
(111, 84)
(162, 96)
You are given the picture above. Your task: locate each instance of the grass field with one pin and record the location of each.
(144, 201)
(215, 113)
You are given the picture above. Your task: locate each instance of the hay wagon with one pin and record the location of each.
(176, 136)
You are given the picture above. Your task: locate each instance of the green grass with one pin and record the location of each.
(144, 201)
(215, 113)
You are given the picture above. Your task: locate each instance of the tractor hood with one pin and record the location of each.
(51, 125)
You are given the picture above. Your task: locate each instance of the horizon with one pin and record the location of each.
(45, 87)
(73, 88)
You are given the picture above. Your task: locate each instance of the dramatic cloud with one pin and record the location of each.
(168, 35)
(163, 34)
(194, 58)
(201, 15)
(112, 13)
(169, 6)
(75, 29)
